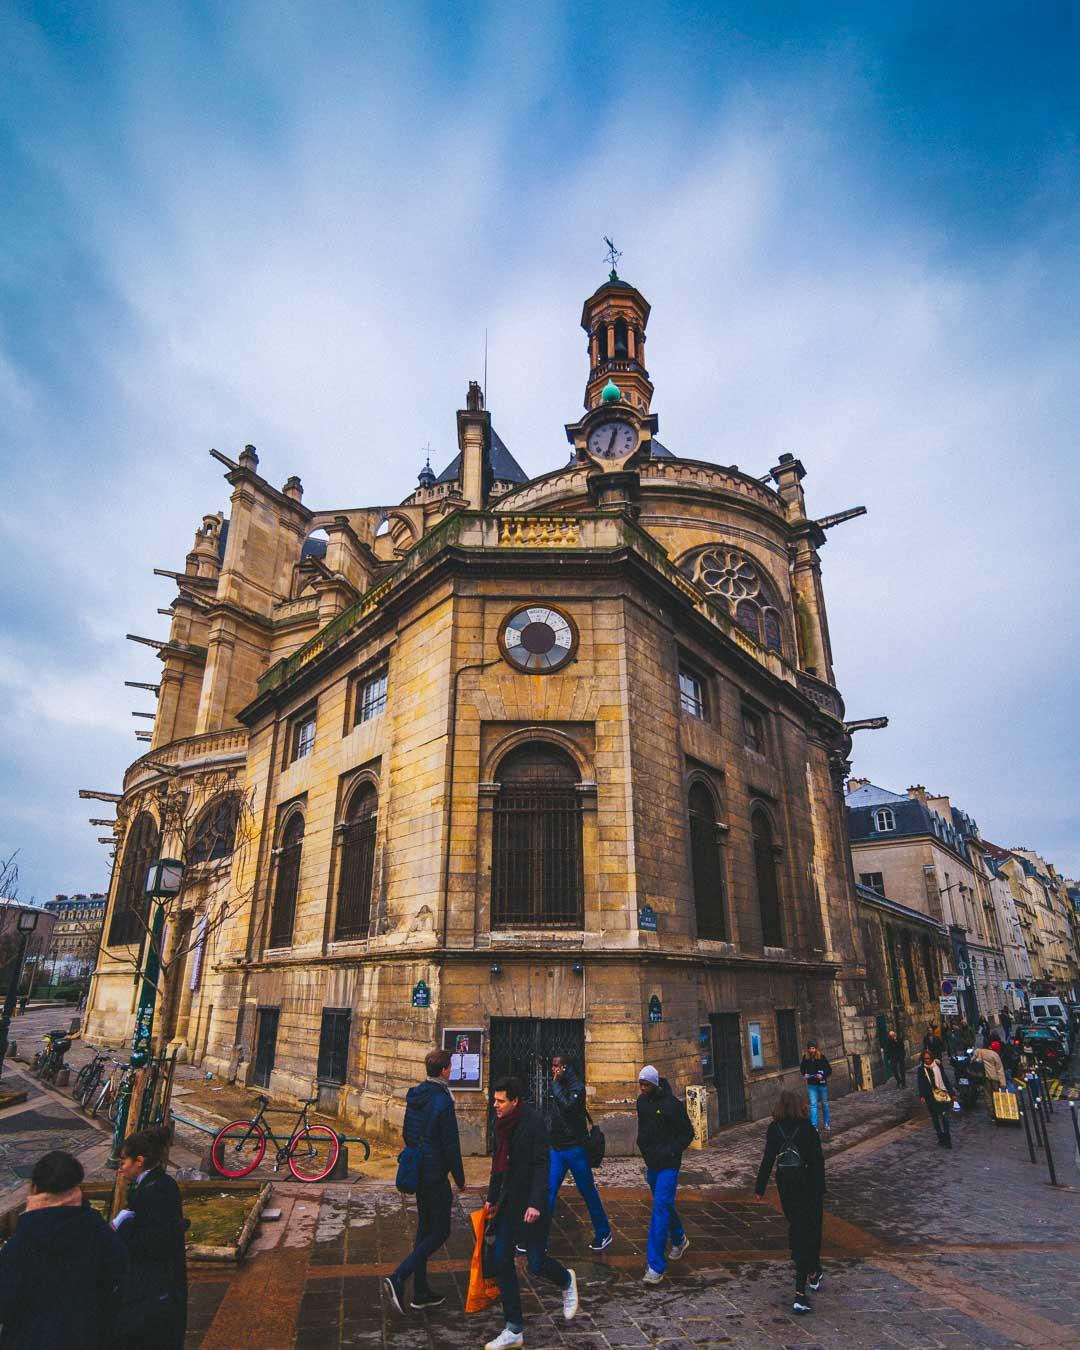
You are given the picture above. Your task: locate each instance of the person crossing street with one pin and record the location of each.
(664, 1134)
(569, 1128)
(794, 1145)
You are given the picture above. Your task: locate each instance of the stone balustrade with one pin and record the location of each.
(209, 749)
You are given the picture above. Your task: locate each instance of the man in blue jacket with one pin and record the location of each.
(430, 1125)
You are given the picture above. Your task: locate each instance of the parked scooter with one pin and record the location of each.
(969, 1074)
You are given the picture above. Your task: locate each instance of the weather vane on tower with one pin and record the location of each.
(613, 255)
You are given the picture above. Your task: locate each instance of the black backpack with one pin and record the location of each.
(789, 1161)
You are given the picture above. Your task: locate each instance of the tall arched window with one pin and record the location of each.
(287, 882)
(768, 890)
(706, 864)
(130, 910)
(357, 866)
(215, 830)
(536, 872)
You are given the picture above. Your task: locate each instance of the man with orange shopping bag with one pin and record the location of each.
(518, 1206)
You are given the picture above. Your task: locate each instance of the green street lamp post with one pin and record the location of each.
(163, 883)
(26, 922)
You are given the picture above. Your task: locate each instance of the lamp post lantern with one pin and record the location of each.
(26, 922)
(163, 882)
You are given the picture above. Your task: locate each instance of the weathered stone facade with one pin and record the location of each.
(705, 883)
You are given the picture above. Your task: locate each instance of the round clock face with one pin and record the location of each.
(538, 639)
(612, 440)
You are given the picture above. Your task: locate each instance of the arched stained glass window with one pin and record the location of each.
(768, 889)
(536, 861)
(357, 866)
(707, 864)
(744, 588)
(215, 831)
(131, 907)
(287, 882)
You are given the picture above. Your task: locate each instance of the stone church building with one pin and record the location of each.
(535, 765)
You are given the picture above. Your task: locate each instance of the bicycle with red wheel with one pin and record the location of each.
(310, 1150)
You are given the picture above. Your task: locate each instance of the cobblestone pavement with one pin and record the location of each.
(923, 1247)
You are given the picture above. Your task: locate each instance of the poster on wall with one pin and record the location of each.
(466, 1048)
(757, 1054)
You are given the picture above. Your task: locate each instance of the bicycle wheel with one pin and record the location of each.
(82, 1080)
(313, 1153)
(238, 1148)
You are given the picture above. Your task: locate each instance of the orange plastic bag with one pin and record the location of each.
(482, 1292)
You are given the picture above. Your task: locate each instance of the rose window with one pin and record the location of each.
(737, 582)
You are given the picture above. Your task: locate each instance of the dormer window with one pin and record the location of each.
(884, 820)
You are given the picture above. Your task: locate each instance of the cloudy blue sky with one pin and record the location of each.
(290, 224)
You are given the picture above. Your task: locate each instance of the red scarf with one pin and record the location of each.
(504, 1128)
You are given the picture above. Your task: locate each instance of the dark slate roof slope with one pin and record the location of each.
(660, 451)
(504, 466)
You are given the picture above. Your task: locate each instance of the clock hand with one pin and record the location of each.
(611, 443)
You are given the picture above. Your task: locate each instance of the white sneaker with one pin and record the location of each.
(507, 1340)
(678, 1249)
(569, 1299)
(652, 1276)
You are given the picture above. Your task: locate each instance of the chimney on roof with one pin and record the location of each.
(854, 784)
(917, 793)
(293, 488)
(61, 897)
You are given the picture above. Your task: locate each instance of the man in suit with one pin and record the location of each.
(517, 1204)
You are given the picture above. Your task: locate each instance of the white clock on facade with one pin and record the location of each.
(613, 440)
(538, 639)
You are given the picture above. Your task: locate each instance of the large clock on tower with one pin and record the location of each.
(538, 639)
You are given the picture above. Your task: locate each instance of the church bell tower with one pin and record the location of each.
(615, 317)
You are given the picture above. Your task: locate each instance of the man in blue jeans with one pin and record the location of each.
(569, 1129)
(664, 1133)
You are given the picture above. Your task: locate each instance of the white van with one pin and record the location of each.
(1049, 1008)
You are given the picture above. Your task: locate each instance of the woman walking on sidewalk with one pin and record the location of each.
(937, 1092)
(815, 1069)
(793, 1144)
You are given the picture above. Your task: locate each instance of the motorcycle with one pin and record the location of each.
(969, 1075)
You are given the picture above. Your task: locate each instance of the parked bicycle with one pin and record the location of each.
(48, 1062)
(310, 1150)
(104, 1100)
(89, 1076)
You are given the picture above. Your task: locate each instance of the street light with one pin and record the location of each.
(25, 922)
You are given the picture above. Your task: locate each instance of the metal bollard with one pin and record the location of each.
(1076, 1129)
(1046, 1092)
(1049, 1158)
(1027, 1131)
(1036, 1118)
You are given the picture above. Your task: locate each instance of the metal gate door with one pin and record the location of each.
(728, 1067)
(525, 1047)
(265, 1046)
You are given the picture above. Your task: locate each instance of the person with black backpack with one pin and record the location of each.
(794, 1145)
(432, 1154)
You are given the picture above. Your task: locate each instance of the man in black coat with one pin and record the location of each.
(62, 1274)
(664, 1134)
(431, 1125)
(896, 1058)
(517, 1204)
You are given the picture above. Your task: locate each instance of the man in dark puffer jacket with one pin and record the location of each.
(569, 1128)
(431, 1123)
(664, 1133)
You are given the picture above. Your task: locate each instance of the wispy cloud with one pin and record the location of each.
(291, 226)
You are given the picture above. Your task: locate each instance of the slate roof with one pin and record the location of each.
(504, 466)
(874, 796)
(910, 817)
(660, 451)
(313, 548)
(873, 897)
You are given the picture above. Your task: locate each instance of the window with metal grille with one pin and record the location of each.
(371, 697)
(884, 820)
(753, 730)
(302, 740)
(536, 864)
(287, 882)
(874, 881)
(768, 891)
(215, 830)
(691, 693)
(334, 1045)
(707, 866)
(131, 908)
(357, 866)
(787, 1035)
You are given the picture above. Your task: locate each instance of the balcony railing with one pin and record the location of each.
(210, 748)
